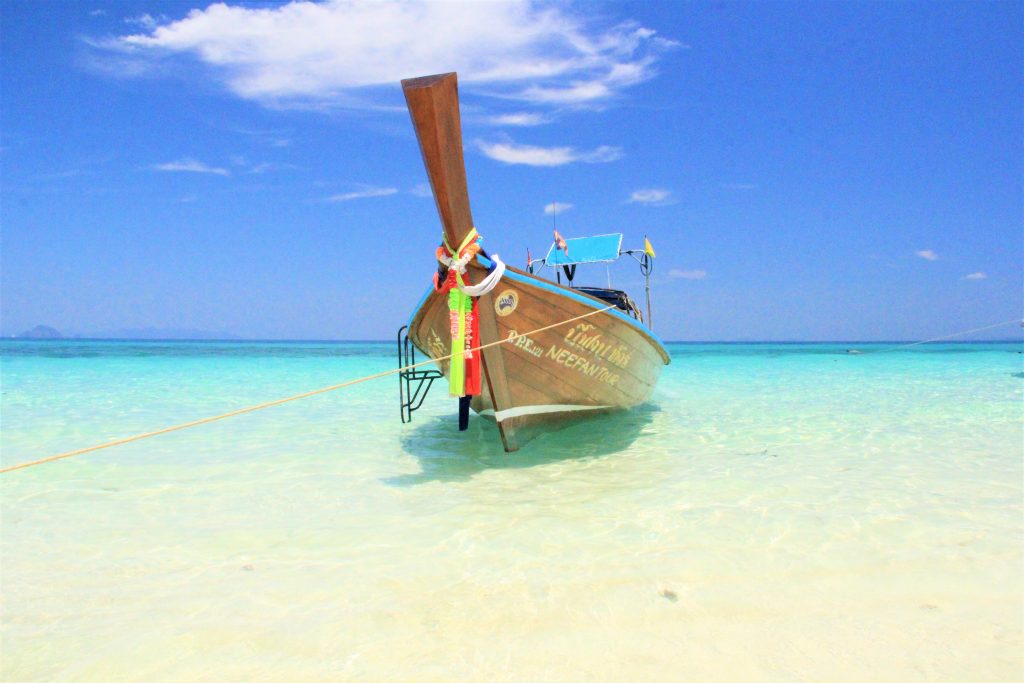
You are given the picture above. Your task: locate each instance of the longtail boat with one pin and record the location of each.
(604, 358)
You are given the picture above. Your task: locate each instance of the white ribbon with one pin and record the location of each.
(489, 282)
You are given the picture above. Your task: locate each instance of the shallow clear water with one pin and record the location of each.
(777, 512)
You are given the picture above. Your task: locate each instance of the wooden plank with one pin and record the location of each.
(538, 372)
(550, 308)
(434, 107)
(498, 380)
(538, 381)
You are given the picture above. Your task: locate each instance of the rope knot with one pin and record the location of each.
(458, 259)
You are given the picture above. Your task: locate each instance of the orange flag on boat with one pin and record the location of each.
(648, 249)
(560, 243)
(529, 259)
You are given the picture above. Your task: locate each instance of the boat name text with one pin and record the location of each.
(582, 365)
(525, 343)
(581, 337)
(436, 347)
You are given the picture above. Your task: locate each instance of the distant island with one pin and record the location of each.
(41, 332)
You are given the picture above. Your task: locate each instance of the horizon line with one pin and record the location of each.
(289, 340)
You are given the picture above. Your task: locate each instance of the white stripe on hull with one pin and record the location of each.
(519, 411)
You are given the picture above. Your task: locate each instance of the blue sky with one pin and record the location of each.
(808, 171)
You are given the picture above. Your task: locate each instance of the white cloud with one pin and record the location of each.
(976, 276)
(146, 21)
(557, 207)
(511, 153)
(688, 274)
(530, 155)
(518, 119)
(928, 255)
(363, 194)
(308, 52)
(576, 93)
(652, 196)
(189, 165)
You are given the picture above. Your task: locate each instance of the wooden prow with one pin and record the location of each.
(434, 107)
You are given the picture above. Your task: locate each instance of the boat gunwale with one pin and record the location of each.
(537, 281)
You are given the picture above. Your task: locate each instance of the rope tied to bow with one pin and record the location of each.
(464, 375)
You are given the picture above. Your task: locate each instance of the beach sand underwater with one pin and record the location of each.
(776, 512)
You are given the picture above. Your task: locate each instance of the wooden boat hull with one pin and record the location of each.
(606, 361)
(603, 362)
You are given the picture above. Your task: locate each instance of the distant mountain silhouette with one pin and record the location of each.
(41, 332)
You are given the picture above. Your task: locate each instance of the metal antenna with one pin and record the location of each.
(554, 228)
(646, 266)
(647, 287)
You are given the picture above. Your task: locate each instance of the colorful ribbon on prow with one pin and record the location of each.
(464, 370)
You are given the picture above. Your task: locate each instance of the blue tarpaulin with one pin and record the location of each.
(586, 250)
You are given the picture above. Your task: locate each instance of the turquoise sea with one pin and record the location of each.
(777, 512)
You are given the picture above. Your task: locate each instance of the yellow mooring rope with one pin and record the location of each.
(261, 406)
(955, 334)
